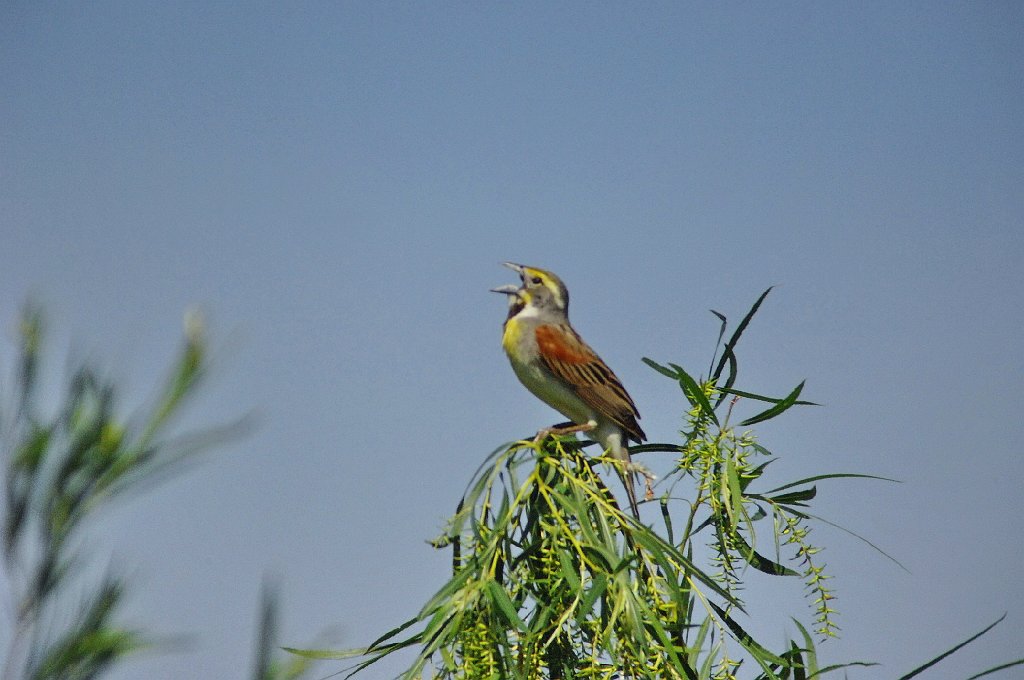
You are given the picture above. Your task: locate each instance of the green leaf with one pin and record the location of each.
(759, 512)
(379, 642)
(596, 590)
(795, 496)
(721, 334)
(753, 474)
(956, 648)
(694, 394)
(732, 484)
(783, 405)
(327, 654)
(500, 599)
(730, 346)
(810, 653)
(667, 518)
(759, 397)
(744, 638)
(836, 666)
(799, 666)
(996, 669)
(569, 571)
(605, 561)
(730, 380)
(262, 668)
(851, 533)
(837, 475)
(760, 562)
(660, 369)
(793, 661)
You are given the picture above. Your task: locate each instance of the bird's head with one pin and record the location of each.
(539, 289)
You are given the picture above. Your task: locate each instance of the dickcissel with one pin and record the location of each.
(552, 361)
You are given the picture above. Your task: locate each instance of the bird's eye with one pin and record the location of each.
(535, 280)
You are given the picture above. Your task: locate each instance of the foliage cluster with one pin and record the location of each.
(551, 579)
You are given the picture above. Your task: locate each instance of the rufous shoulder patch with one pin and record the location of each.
(553, 344)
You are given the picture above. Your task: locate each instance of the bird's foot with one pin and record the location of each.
(559, 430)
(640, 469)
(649, 477)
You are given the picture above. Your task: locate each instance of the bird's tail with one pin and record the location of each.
(629, 481)
(626, 470)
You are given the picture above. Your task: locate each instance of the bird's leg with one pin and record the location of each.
(649, 477)
(559, 430)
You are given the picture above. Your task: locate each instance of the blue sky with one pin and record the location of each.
(335, 186)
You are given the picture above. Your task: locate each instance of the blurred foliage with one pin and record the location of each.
(64, 464)
(61, 468)
(270, 664)
(551, 579)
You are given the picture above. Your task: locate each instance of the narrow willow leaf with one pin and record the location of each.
(604, 561)
(327, 654)
(694, 394)
(758, 471)
(834, 667)
(262, 667)
(729, 346)
(32, 330)
(744, 638)
(795, 497)
(569, 571)
(392, 633)
(735, 499)
(500, 599)
(597, 588)
(783, 405)
(952, 650)
(838, 475)
(22, 471)
(760, 562)
(810, 653)
(721, 334)
(759, 397)
(655, 448)
(797, 662)
(704, 525)
(790, 669)
(697, 645)
(730, 380)
(541, 621)
(440, 599)
(667, 518)
(996, 669)
(668, 373)
(64, 464)
(811, 657)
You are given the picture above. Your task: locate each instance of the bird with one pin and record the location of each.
(554, 363)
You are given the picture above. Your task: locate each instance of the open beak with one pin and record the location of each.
(511, 289)
(517, 268)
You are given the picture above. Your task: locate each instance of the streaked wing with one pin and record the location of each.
(566, 355)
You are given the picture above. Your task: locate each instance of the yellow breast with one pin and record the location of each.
(511, 339)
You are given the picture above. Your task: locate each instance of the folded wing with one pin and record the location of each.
(566, 355)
